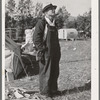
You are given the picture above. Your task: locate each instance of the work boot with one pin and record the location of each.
(44, 97)
(56, 93)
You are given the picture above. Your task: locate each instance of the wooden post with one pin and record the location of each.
(10, 33)
(10, 76)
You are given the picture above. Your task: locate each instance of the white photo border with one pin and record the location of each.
(94, 51)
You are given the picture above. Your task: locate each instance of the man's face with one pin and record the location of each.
(51, 12)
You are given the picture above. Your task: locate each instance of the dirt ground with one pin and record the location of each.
(75, 71)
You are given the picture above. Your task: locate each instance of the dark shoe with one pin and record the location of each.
(55, 93)
(45, 97)
(88, 84)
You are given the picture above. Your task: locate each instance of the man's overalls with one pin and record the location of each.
(49, 71)
(49, 68)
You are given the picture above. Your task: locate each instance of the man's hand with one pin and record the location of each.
(39, 56)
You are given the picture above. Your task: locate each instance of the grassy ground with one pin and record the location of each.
(75, 70)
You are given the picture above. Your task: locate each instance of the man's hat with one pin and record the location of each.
(46, 8)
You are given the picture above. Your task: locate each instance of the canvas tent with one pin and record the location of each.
(70, 33)
(13, 61)
(18, 60)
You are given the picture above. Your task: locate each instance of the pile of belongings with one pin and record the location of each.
(29, 47)
(14, 93)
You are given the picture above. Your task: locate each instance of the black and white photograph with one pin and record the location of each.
(48, 50)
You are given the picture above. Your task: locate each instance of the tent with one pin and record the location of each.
(18, 61)
(65, 33)
(13, 62)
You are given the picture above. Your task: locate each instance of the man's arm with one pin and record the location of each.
(38, 35)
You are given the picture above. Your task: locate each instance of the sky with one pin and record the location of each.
(74, 7)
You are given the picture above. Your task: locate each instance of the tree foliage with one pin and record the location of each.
(62, 17)
(23, 15)
(10, 10)
(10, 6)
(38, 9)
(81, 22)
(72, 24)
(84, 22)
(26, 14)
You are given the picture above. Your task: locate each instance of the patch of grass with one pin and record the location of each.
(75, 70)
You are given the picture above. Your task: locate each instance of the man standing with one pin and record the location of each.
(47, 43)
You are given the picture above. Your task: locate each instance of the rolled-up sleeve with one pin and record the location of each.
(38, 35)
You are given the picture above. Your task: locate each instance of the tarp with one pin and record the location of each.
(13, 57)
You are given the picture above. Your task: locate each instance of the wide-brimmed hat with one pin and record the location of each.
(47, 7)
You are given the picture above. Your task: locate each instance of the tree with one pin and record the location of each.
(27, 11)
(10, 6)
(7, 20)
(38, 9)
(59, 22)
(72, 24)
(88, 25)
(9, 12)
(84, 21)
(84, 24)
(62, 17)
(65, 14)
